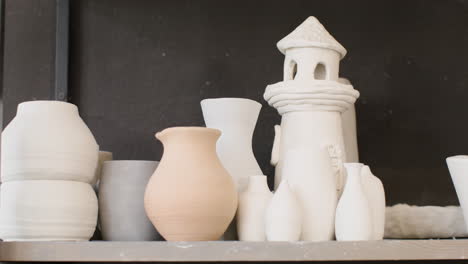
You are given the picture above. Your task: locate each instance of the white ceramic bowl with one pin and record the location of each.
(47, 211)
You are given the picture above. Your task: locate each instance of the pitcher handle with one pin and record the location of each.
(275, 151)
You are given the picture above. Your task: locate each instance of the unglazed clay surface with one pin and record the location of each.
(102, 157)
(191, 196)
(252, 208)
(348, 118)
(47, 140)
(353, 216)
(283, 215)
(236, 118)
(47, 210)
(121, 210)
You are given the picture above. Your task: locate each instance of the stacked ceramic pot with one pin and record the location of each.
(309, 147)
(49, 158)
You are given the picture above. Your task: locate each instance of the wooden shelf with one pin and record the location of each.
(234, 251)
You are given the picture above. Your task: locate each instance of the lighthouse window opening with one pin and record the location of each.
(294, 70)
(291, 70)
(320, 72)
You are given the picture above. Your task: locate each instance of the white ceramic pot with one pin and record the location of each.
(236, 118)
(283, 216)
(309, 174)
(375, 193)
(121, 210)
(458, 167)
(353, 220)
(47, 210)
(252, 207)
(47, 140)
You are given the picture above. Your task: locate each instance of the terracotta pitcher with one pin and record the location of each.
(190, 197)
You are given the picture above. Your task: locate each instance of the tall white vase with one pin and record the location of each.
(310, 176)
(283, 215)
(236, 118)
(375, 193)
(46, 210)
(458, 167)
(353, 216)
(252, 208)
(47, 140)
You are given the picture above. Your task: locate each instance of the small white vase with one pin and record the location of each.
(236, 118)
(458, 168)
(47, 140)
(308, 173)
(375, 193)
(283, 215)
(353, 220)
(252, 207)
(47, 210)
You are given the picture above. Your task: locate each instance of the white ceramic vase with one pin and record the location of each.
(375, 193)
(309, 174)
(47, 211)
(458, 168)
(353, 220)
(47, 140)
(252, 208)
(283, 216)
(236, 118)
(103, 156)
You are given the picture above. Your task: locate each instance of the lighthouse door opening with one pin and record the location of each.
(320, 72)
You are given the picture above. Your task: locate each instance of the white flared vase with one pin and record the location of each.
(458, 167)
(375, 193)
(252, 208)
(283, 216)
(47, 211)
(236, 118)
(309, 174)
(47, 140)
(353, 220)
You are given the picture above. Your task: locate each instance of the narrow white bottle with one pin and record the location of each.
(375, 193)
(353, 221)
(253, 203)
(283, 215)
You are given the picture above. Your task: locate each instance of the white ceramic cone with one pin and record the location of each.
(375, 194)
(353, 221)
(252, 208)
(458, 167)
(283, 216)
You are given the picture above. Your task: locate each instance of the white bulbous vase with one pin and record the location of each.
(309, 174)
(353, 220)
(252, 208)
(236, 118)
(47, 140)
(375, 193)
(283, 215)
(458, 168)
(47, 211)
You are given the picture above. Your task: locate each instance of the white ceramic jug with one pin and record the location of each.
(236, 118)
(375, 194)
(252, 208)
(283, 216)
(309, 174)
(353, 216)
(47, 140)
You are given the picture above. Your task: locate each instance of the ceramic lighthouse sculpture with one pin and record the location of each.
(309, 150)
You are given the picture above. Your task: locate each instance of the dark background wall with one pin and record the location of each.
(137, 67)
